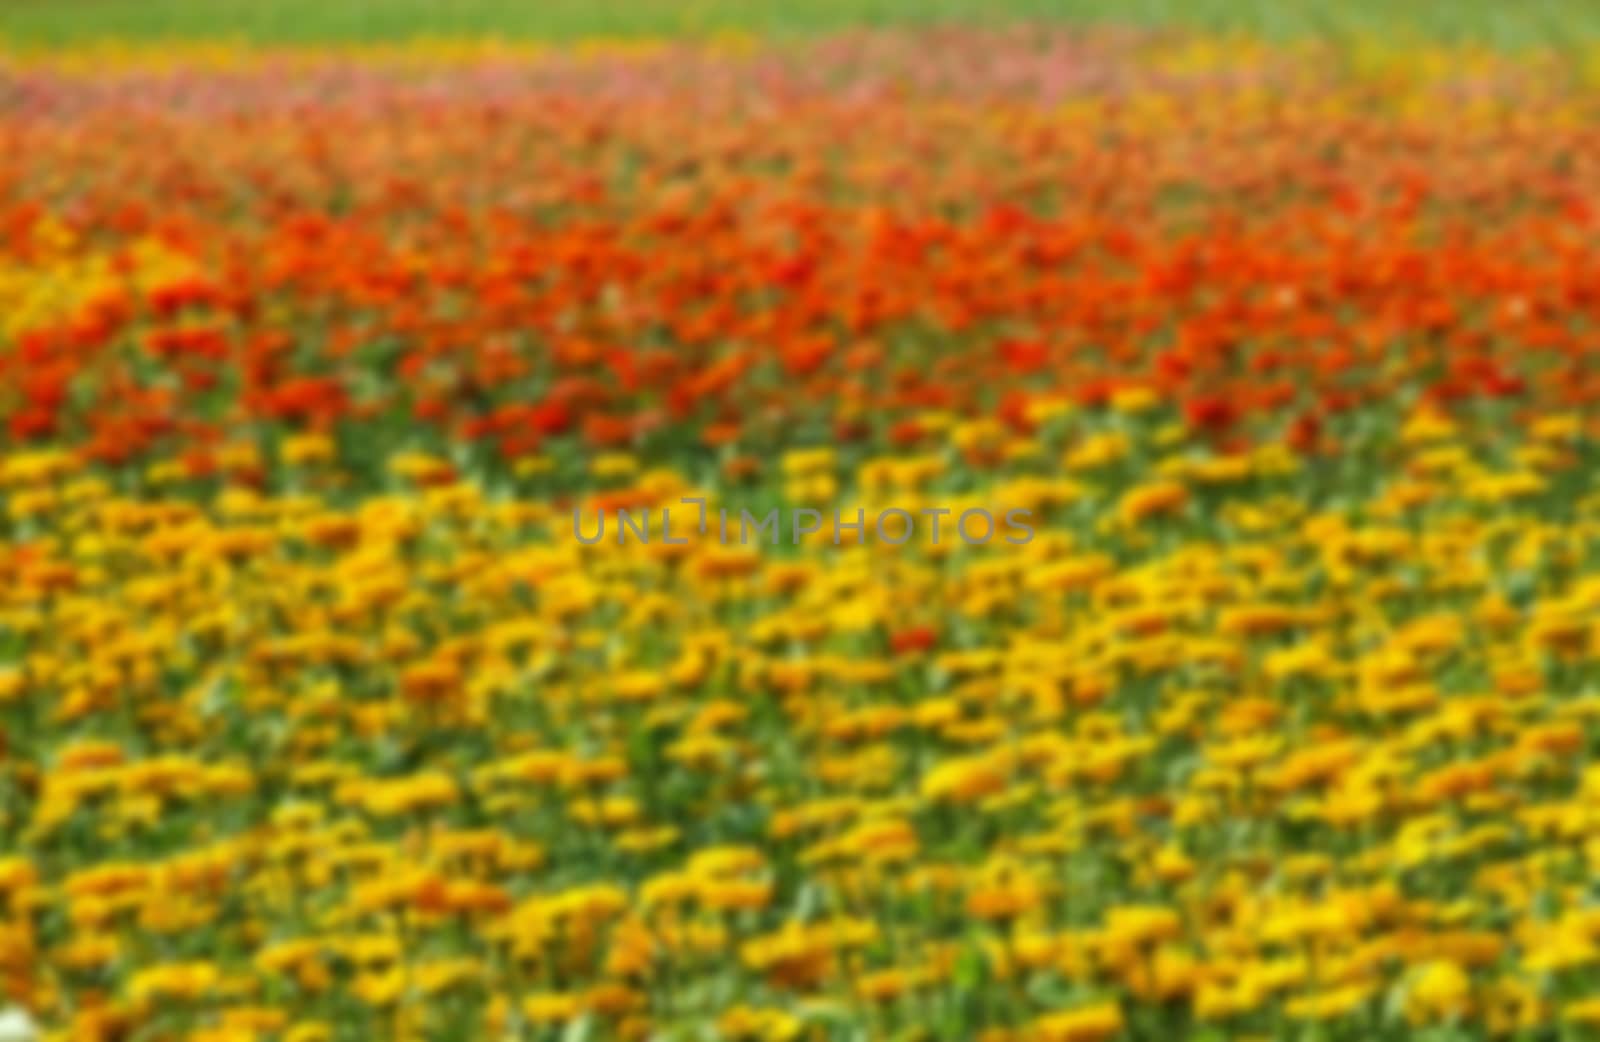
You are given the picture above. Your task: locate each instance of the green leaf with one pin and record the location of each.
(579, 1030)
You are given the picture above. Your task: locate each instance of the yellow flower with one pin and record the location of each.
(964, 781)
(552, 1007)
(614, 465)
(308, 450)
(1439, 991)
(1006, 893)
(309, 1031)
(175, 982)
(1152, 500)
(1094, 1023)
(1134, 400)
(1098, 450)
(1330, 1004)
(1136, 926)
(756, 1024)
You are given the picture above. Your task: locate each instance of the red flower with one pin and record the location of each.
(1212, 414)
(917, 638)
(550, 418)
(906, 433)
(32, 423)
(1024, 356)
(1305, 432)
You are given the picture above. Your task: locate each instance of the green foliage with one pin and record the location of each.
(57, 22)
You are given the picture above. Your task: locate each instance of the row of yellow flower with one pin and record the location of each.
(281, 767)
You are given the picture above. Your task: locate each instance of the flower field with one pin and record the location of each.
(317, 723)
